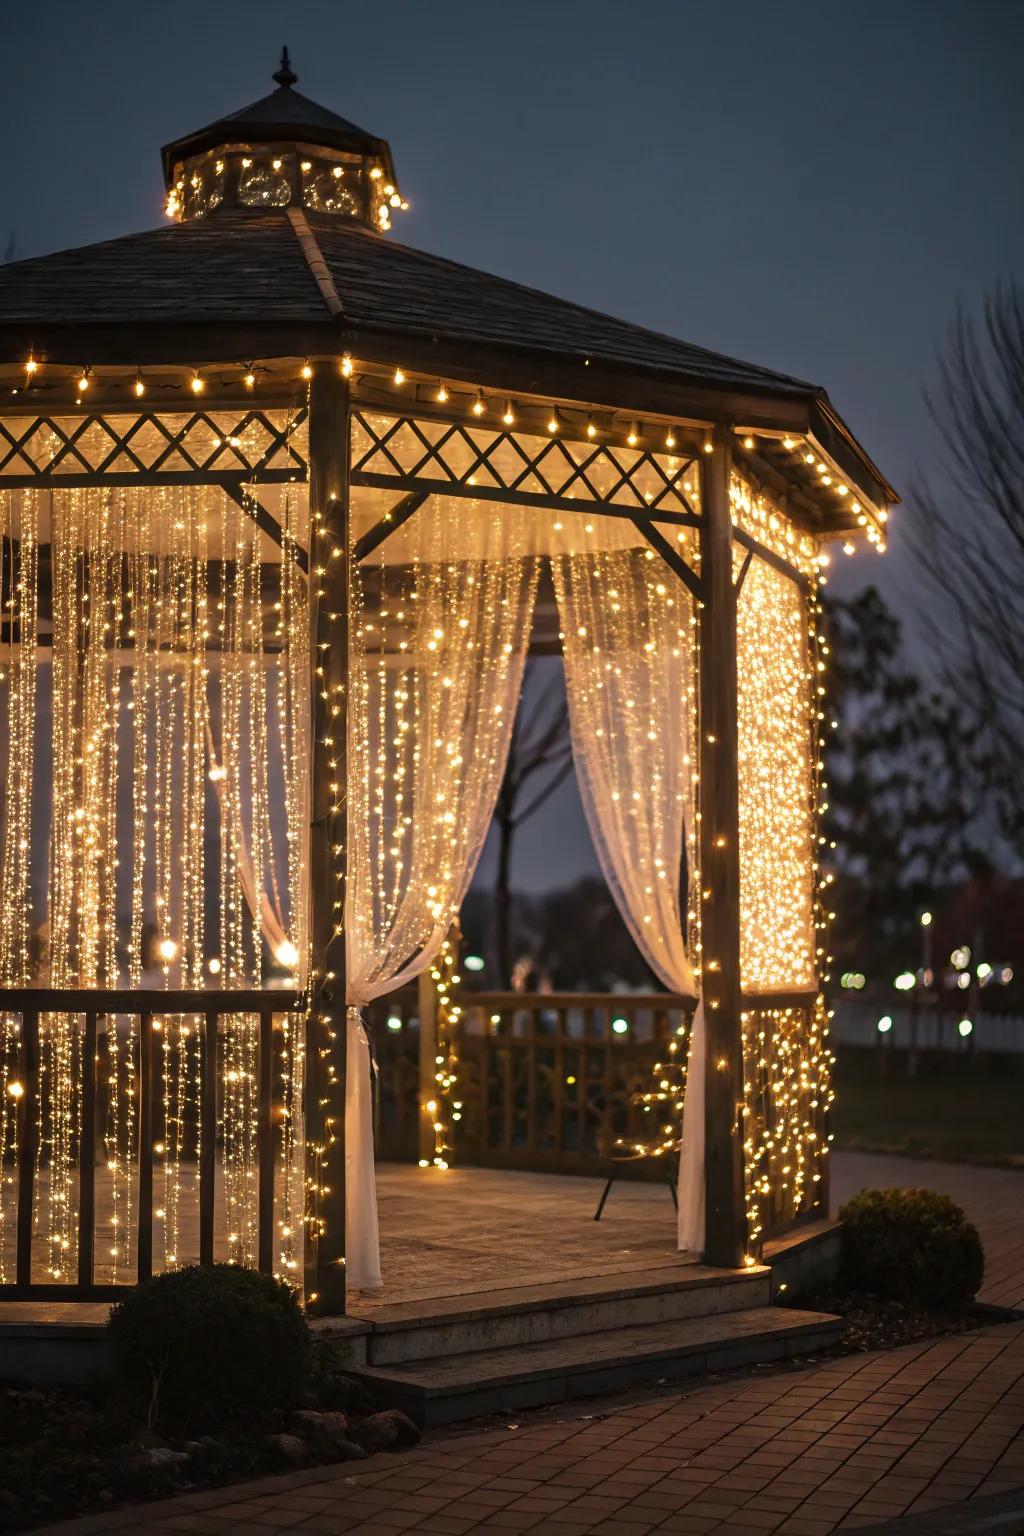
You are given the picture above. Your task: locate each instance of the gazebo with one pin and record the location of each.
(285, 504)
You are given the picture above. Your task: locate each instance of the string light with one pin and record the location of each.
(441, 393)
(445, 1110)
(31, 366)
(479, 404)
(249, 379)
(508, 415)
(198, 384)
(633, 436)
(346, 365)
(307, 369)
(139, 386)
(398, 377)
(83, 380)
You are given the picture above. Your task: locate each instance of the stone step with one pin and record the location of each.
(538, 1314)
(443, 1391)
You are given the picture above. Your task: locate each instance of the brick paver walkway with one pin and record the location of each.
(849, 1443)
(846, 1444)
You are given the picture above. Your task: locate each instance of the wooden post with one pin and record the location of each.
(725, 1215)
(428, 1062)
(325, 1041)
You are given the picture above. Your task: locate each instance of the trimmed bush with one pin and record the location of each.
(210, 1347)
(912, 1246)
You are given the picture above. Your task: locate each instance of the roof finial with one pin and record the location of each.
(285, 75)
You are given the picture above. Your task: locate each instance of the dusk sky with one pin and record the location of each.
(812, 187)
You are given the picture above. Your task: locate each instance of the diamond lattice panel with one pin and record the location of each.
(409, 450)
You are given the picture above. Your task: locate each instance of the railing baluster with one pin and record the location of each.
(558, 1087)
(508, 1086)
(28, 1141)
(208, 1140)
(265, 1143)
(145, 1242)
(583, 1086)
(87, 1152)
(531, 1084)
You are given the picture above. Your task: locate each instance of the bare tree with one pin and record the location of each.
(970, 528)
(540, 757)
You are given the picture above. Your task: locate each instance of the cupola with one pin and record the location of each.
(284, 150)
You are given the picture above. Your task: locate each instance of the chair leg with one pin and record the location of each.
(604, 1195)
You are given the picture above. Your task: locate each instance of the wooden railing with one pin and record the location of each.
(547, 1080)
(87, 1008)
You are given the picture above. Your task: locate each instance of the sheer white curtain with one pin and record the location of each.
(439, 631)
(627, 637)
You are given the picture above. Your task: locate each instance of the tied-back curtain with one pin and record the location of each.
(440, 625)
(627, 637)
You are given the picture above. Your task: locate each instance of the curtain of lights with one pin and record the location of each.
(19, 624)
(775, 781)
(439, 630)
(628, 633)
(176, 683)
(785, 1048)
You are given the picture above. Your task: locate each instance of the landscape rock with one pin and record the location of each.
(386, 1430)
(157, 1458)
(326, 1434)
(289, 1449)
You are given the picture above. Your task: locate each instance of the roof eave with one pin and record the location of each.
(218, 134)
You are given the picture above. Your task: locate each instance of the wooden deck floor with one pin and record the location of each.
(477, 1229)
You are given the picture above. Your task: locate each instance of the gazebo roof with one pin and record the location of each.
(260, 282)
(247, 266)
(281, 117)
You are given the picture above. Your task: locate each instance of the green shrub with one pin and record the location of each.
(208, 1347)
(911, 1245)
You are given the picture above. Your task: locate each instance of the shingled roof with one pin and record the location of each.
(248, 267)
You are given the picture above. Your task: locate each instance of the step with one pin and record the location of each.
(443, 1391)
(537, 1314)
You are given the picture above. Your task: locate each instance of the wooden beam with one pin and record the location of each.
(777, 562)
(400, 513)
(541, 500)
(725, 1215)
(326, 1024)
(672, 558)
(245, 497)
(744, 568)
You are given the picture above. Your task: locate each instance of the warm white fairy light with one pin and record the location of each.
(756, 514)
(775, 822)
(444, 1110)
(19, 547)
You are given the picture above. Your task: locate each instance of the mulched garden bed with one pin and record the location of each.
(75, 1450)
(874, 1323)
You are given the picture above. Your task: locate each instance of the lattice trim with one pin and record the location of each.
(449, 453)
(149, 442)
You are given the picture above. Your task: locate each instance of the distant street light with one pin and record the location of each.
(884, 1024)
(905, 981)
(965, 1027)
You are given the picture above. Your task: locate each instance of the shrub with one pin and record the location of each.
(206, 1347)
(911, 1245)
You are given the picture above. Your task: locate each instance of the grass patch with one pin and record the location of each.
(957, 1107)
